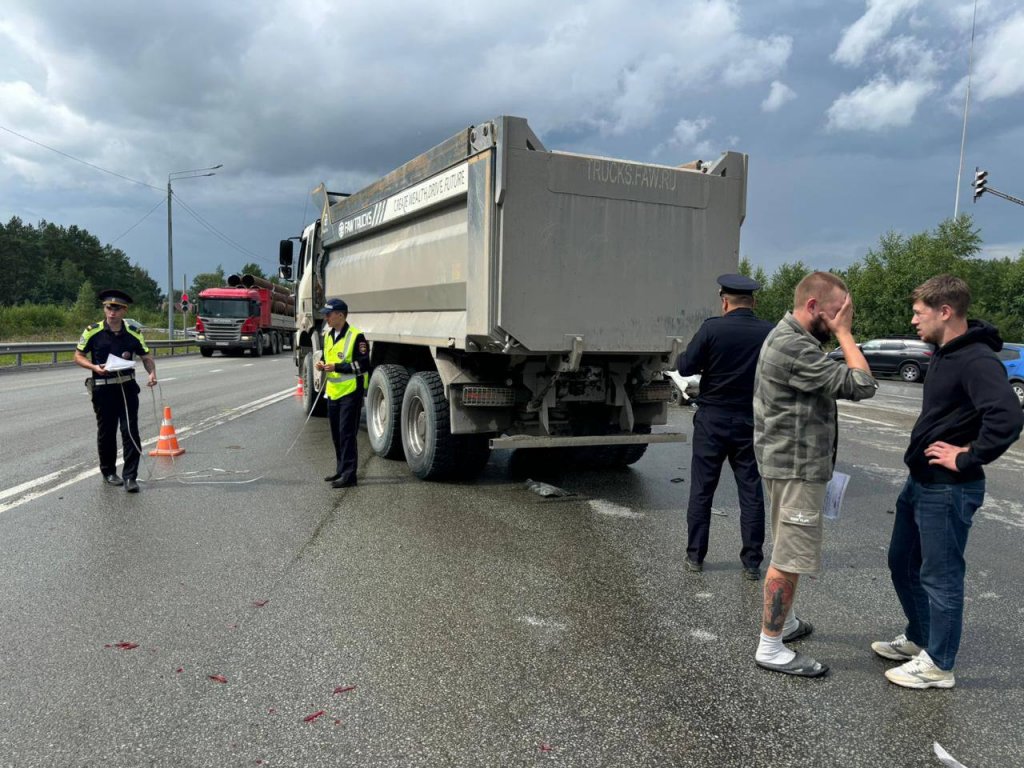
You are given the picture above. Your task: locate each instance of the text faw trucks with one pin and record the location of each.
(249, 314)
(515, 296)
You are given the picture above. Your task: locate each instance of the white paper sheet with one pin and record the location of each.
(834, 494)
(945, 757)
(118, 364)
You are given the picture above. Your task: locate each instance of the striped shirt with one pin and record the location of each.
(795, 390)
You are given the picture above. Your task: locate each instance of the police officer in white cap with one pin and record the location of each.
(115, 393)
(724, 351)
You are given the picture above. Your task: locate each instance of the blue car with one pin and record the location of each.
(1012, 356)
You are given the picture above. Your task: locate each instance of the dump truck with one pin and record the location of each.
(517, 297)
(248, 314)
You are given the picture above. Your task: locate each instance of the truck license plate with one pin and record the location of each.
(222, 343)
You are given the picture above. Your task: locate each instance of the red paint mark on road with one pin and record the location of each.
(122, 646)
(314, 716)
(218, 678)
(344, 689)
(259, 603)
(545, 747)
(179, 670)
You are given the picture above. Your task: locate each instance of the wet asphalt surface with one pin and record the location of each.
(474, 624)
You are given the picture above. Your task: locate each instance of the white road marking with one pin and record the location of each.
(863, 419)
(533, 621)
(27, 493)
(703, 635)
(215, 370)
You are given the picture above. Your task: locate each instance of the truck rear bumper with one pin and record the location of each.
(529, 441)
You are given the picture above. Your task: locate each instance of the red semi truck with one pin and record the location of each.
(249, 314)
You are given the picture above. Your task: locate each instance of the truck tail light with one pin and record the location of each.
(488, 397)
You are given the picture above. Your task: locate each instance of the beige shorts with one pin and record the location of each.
(796, 524)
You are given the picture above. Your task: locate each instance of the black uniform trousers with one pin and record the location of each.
(721, 433)
(117, 407)
(343, 414)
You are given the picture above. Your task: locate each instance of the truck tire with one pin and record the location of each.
(257, 346)
(206, 352)
(426, 429)
(384, 410)
(311, 404)
(431, 451)
(631, 454)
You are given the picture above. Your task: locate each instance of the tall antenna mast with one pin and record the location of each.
(967, 103)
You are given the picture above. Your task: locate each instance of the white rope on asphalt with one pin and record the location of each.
(188, 478)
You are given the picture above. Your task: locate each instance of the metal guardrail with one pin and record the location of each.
(54, 348)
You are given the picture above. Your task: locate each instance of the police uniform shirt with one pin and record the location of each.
(360, 353)
(100, 342)
(724, 352)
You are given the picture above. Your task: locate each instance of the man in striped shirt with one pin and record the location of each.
(795, 439)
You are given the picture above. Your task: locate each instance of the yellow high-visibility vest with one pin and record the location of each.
(340, 384)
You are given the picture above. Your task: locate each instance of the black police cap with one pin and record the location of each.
(334, 305)
(114, 296)
(738, 284)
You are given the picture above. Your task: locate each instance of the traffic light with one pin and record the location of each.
(980, 180)
(184, 305)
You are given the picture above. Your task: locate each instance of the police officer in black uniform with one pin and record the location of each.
(346, 367)
(724, 352)
(115, 394)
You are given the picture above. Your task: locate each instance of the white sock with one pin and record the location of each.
(791, 622)
(770, 650)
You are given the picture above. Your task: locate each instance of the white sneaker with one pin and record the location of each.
(921, 672)
(899, 649)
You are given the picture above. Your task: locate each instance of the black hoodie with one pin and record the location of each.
(967, 401)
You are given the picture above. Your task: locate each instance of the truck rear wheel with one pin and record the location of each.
(431, 450)
(384, 410)
(257, 346)
(317, 406)
(631, 454)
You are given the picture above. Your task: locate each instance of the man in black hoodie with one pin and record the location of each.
(969, 417)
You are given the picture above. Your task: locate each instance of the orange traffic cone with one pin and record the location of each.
(167, 443)
(300, 390)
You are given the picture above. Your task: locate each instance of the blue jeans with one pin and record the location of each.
(926, 561)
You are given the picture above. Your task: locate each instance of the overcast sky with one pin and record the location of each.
(851, 110)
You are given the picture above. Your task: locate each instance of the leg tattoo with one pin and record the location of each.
(778, 596)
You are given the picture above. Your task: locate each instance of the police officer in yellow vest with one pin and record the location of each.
(115, 394)
(347, 365)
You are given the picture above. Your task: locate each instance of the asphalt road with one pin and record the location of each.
(475, 624)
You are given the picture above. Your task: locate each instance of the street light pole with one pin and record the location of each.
(194, 173)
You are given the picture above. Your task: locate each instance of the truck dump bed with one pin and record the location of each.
(491, 242)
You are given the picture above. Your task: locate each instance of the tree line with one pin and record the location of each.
(52, 273)
(48, 264)
(882, 281)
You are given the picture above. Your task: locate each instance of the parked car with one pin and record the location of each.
(906, 357)
(1012, 356)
